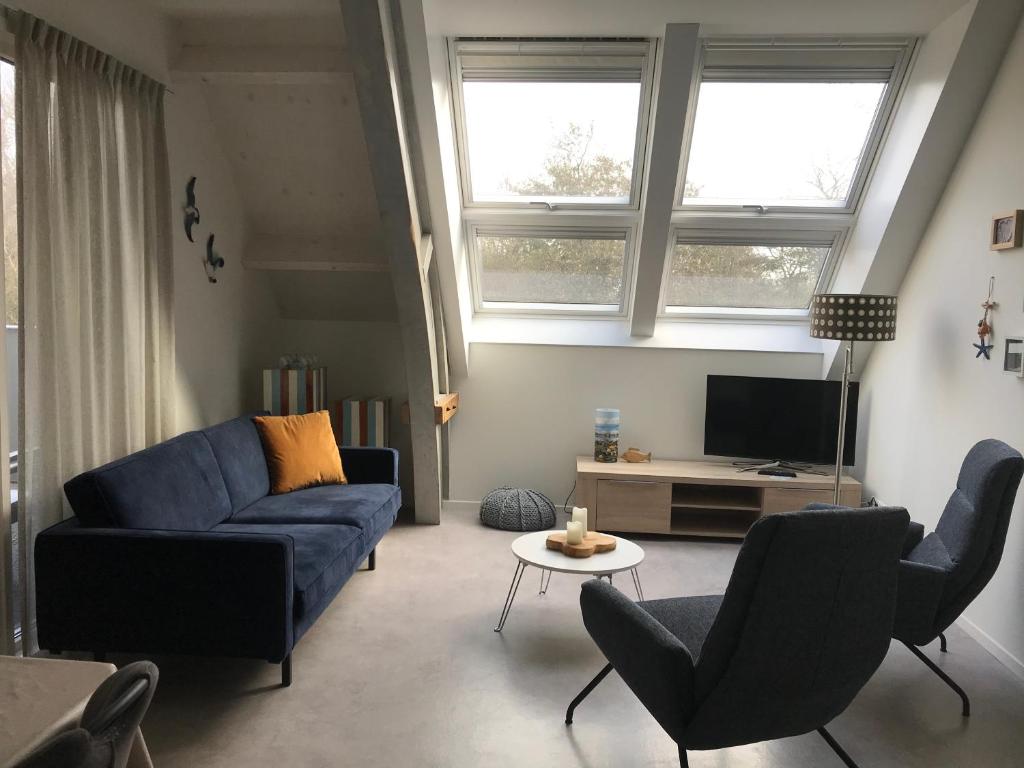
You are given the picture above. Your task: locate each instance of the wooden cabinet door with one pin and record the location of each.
(634, 505)
(793, 499)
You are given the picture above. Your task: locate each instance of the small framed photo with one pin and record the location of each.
(1013, 355)
(1007, 231)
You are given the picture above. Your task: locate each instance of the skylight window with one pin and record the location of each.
(552, 122)
(560, 142)
(785, 144)
(755, 273)
(569, 269)
(789, 123)
(778, 140)
(552, 142)
(782, 138)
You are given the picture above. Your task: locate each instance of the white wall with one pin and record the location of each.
(526, 411)
(363, 359)
(221, 328)
(925, 399)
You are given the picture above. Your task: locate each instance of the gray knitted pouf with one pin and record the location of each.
(517, 509)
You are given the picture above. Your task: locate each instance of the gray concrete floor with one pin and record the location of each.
(403, 669)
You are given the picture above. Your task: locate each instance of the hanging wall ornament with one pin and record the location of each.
(213, 261)
(191, 212)
(984, 325)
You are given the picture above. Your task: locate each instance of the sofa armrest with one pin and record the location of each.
(370, 465)
(918, 595)
(151, 591)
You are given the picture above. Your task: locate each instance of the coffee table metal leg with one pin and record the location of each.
(513, 588)
(544, 583)
(636, 583)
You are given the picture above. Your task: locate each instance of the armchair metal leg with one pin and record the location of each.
(286, 671)
(944, 677)
(942, 642)
(371, 563)
(683, 762)
(847, 760)
(586, 692)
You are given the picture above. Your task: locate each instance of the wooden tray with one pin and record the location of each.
(593, 543)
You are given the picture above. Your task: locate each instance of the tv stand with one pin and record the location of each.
(694, 498)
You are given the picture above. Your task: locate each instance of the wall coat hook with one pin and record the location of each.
(213, 261)
(191, 212)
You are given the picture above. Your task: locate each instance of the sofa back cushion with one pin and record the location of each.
(175, 485)
(239, 452)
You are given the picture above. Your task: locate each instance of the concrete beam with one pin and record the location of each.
(430, 93)
(678, 58)
(369, 28)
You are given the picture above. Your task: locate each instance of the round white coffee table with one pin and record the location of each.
(531, 549)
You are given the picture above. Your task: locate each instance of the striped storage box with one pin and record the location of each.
(362, 422)
(288, 391)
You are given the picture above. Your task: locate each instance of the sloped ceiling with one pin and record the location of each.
(299, 160)
(283, 106)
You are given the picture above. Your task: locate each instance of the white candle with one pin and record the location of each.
(579, 515)
(574, 532)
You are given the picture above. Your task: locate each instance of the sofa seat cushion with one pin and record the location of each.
(372, 508)
(325, 556)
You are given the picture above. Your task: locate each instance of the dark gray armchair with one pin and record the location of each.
(942, 573)
(805, 621)
(106, 732)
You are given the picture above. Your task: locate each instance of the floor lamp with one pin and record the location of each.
(850, 317)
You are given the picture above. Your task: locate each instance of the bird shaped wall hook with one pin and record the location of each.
(191, 212)
(213, 261)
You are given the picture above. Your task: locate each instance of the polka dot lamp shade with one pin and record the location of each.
(853, 317)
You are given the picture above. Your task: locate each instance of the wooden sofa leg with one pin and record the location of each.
(286, 671)
(371, 563)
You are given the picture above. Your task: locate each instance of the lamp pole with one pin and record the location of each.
(847, 371)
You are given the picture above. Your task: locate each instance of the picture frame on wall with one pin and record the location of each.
(1007, 230)
(1013, 355)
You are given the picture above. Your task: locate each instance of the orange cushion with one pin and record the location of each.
(300, 451)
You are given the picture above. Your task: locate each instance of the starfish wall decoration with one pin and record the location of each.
(984, 326)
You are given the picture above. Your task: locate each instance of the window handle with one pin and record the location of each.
(545, 203)
(760, 209)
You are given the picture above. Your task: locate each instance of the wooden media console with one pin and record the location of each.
(694, 498)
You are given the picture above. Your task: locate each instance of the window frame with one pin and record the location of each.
(806, 59)
(627, 233)
(902, 48)
(645, 48)
(794, 233)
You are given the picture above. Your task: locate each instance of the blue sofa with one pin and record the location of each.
(180, 549)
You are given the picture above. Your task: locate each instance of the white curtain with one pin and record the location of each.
(96, 279)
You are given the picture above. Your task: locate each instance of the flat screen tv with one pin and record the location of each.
(793, 420)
